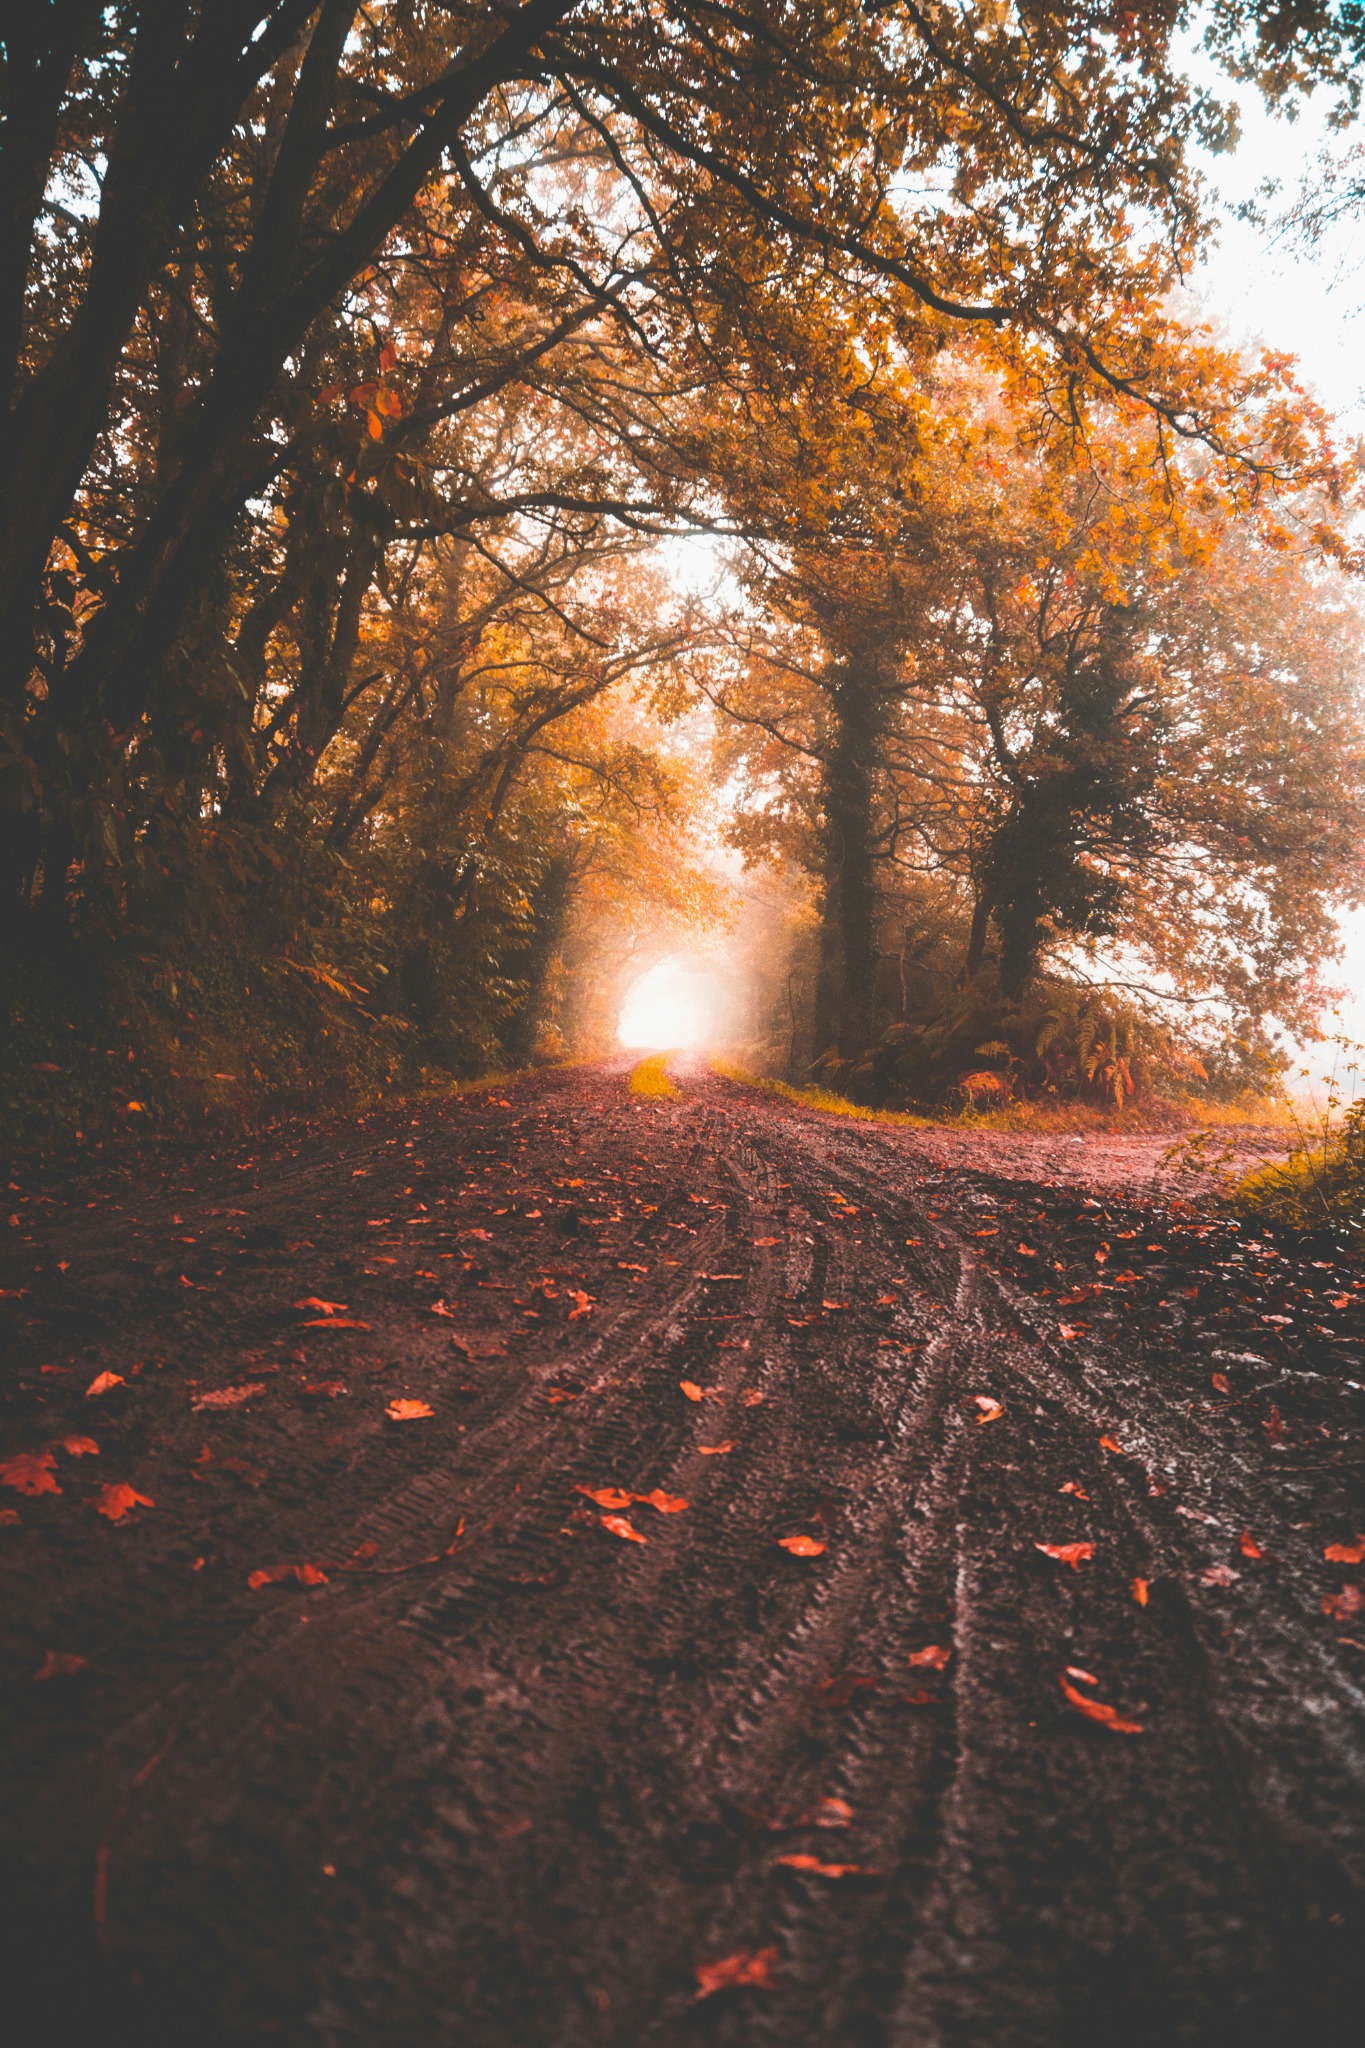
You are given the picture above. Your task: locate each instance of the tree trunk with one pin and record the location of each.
(847, 986)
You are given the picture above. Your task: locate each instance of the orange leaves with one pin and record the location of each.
(1069, 1331)
(1070, 1486)
(583, 1303)
(801, 1546)
(1346, 1553)
(409, 1411)
(934, 1657)
(607, 1496)
(336, 1323)
(1248, 1545)
(61, 1664)
(749, 1967)
(816, 1868)
(229, 1397)
(1074, 1554)
(1096, 1710)
(117, 1500)
(666, 1503)
(102, 1383)
(1111, 1443)
(80, 1447)
(1345, 1605)
(324, 1308)
(276, 1574)
(714, 1450)
(439, 1308)
(990, 1408)
(1140, 1590)
(1220, 1383)
(30, 1472)
(617, 1525)
(692, 1390)
(751, 1397)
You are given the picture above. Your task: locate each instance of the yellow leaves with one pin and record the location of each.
(117, 1500)
(30, 1472)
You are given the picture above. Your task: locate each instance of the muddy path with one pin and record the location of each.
(506, 1766)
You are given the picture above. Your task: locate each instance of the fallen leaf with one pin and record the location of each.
(30, 1472)
(274, 1574)
(933, 1657)
(408, 1411)
(819, 1869)
(1073, 1554)
(1140, 1590)
(1081, 1677)
(438, 1308)
(583, 1303)
(80, 1447)
(606, 1496)
(801, 1546)
(335, 1323)
(619, 1526)
(61, 1664)
(666, 1503)
(1219, 1575)
(324, 1308)
(1273, 1425)
(692, 1390)
(826, 1813)
(1070, 1486)
(751, 1397)
(1248, 1545)
(1345, 1605)
(103, 1382)
(1220, 1383)
(1111, 1443)
(991, 1411)
(714, 1450)
(1068, 1331)
(1096, 1710)
(10, 1518)
(767, 1240)
(229, 1397)
(118, 1499)
(751, 1967)
(1346, 1553)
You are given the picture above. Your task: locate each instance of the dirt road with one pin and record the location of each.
(1048, 1731)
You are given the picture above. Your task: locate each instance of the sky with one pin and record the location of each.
(1310, 302)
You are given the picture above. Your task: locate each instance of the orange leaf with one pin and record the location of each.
(753, 1967)
(1069, 1330)
(619, 1526)
(30, 1472)
(1070, 1486)
(273, 1574)
(751, 1397)
(934, 1657)
(666, 1503)
(692, 1390)
(1111, 1443)
(1096, 1710)
(80, 1447)
(819, 1869)
(606, 1496)
(375, 425)
(767, 1240)
(1248, 1545)
(103, 1382)
(1220, 1383)
(324, 1308)
(1345, 1605)
(714, 1450)
(336, 1323)
(229, 1397)
(991, 1411)
(801, 1546)
(583, 1303)
(118, 1499)
(1346, 1553)
(1073, 1554)
(408, 1411)
(1140, 1591)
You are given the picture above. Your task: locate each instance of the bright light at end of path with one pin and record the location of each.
(670, 1006)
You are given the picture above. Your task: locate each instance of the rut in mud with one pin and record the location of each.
(529, 1769)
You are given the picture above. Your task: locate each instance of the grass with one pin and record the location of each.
(1157, 1114)
(651, 1076)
